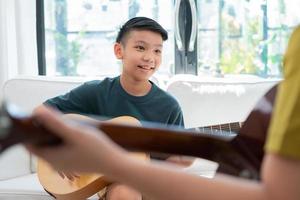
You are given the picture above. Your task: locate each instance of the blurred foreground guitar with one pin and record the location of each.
(239, 155)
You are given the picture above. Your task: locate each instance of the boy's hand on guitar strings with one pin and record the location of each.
(69, 175)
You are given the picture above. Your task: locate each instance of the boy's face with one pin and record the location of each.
(140, 54)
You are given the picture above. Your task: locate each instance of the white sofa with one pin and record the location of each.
(204, 101)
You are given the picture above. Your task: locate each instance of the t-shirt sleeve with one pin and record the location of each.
(283, 136)
(176, 117)
(77, 100)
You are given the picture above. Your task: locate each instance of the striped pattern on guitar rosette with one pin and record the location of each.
(221, 129)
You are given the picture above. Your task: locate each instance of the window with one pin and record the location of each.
(79, 35)
(244, 37)
(232, 37)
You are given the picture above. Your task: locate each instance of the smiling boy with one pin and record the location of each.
(139, 46)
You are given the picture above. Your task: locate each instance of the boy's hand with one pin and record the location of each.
(183, 161)
(69, 175)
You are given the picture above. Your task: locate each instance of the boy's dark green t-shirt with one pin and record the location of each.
(108, 98)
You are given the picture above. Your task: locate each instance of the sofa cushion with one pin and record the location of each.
(14, 162)
(24, 187)
(29, 92)
(210, 100)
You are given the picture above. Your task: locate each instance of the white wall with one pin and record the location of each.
(18, 53)
(26, 37)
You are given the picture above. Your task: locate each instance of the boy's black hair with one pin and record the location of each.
(141, 23)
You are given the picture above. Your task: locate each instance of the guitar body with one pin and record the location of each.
(62, 188)
(84, 186)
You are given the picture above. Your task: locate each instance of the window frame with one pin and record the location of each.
(40, 34)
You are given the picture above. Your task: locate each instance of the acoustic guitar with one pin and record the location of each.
(237, 154)
(84, 186)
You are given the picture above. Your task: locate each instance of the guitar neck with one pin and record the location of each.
(227, 150)
(152, 138)
(221, 129)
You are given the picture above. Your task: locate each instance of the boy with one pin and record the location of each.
(280, 170)
(139, 46)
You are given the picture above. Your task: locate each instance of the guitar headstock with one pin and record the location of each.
(17, 126)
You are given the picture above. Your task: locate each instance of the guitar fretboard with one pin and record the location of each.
(230, 129)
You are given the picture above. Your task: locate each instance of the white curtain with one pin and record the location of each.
(18, 54)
